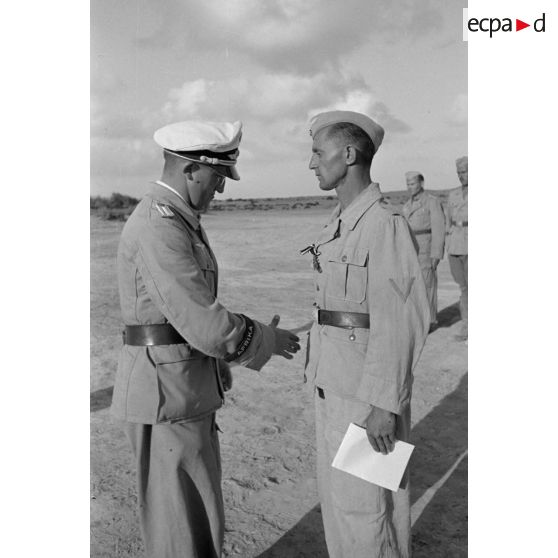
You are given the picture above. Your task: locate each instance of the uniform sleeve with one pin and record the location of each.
(438, 226)
(176, 285)
(399, 317)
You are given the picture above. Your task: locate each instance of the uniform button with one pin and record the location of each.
(344, 259)
(317, 287)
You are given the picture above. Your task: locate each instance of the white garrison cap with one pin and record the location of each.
(409, 175)
(371, 128)
(462, 163)
(210, 143)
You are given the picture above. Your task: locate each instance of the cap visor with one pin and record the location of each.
(232, 173)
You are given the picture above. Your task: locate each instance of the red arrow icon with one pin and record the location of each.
(519, 25)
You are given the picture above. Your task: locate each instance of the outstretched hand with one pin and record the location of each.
(286, 343)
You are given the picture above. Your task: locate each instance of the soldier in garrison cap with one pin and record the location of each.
(426, 217)
(178, 340)
(457, 224)
(371, 321)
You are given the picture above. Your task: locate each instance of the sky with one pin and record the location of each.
(272, 65)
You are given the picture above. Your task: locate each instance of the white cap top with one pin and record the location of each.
(200, 136)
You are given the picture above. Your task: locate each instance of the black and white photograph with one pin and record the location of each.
(257, 339)
(279, 279)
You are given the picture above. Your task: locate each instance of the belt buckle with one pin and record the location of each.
(315, 312)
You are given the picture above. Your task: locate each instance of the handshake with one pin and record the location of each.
(285, 344)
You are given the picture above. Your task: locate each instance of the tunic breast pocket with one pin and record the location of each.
(348, 274)
(206, 265)
(420, 219)
(208, 269)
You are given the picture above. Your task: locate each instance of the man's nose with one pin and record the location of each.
(312, 163)
(221, 186)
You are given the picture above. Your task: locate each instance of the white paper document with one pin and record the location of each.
(357, 457)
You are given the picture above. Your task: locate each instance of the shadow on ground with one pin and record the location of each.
(440, 531)
(448, 316)
(100, 399)
(305, 540)
(441, 439)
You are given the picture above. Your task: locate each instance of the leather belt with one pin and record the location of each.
(346, 320)
(459, 223)
(423, 231)
(152, 334)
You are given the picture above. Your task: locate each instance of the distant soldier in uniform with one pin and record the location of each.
(458, 228)
(372, 319)
(178, 341)
(426, 217)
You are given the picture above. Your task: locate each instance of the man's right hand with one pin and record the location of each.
(286, 343)
(380, 429)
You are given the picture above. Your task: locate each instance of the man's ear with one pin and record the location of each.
(351, 155)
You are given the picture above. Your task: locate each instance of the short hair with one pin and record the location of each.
(345, 132)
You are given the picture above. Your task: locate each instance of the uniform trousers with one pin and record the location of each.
(459, 271)
(361, 520)
(179, 488)
(430, 276)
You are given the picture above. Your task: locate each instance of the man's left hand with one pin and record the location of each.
(380, 429)
(225, 374)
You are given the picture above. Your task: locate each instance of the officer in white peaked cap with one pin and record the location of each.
(178, 340)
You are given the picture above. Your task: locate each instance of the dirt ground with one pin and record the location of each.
(267, 444)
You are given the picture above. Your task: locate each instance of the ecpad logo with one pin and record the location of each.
(493, 25)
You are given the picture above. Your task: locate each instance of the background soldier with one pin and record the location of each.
(372, 322)
(178, 340)
(426, 217)
(457, 226)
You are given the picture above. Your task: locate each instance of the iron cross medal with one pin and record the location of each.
(313, 249)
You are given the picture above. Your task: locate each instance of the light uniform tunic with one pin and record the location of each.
(426, 218)
(369, 265)
(457, 221)
(168, 394)
(457, 242)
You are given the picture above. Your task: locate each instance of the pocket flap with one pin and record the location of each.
(350, 255)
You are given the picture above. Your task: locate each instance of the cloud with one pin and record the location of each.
(276, 97)
(118, 157)
(264, 97)
(106, 123)
(362, 100)
(111, 117)
(275, 109)
(188, 99)
(291, 35)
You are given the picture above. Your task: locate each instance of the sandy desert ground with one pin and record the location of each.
(267, 443)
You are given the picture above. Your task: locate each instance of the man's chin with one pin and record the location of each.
(325, 187)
